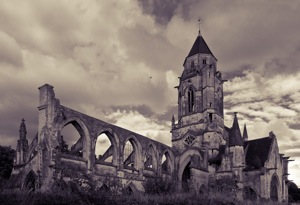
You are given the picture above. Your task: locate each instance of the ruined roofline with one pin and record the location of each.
(96, 119)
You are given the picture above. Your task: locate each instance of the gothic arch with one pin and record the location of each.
(191, 99)
(186, 177)
(151, 157)
(274, 188)
(184, 165)
(30, 181)
(84, 134)
(136, 153)
(104, 188)
(130, 189)
(170, 162)
(114, 140)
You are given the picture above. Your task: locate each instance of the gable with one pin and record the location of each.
(257, 152)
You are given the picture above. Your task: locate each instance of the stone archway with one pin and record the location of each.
(274, 188)
(83, 144)
(186, 177)
(30, 181)
(132, 153)
(189, 158)
(150, 159)
(110, 155)
(167, 163)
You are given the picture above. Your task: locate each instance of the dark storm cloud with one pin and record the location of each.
(142, 46)
(10, 51)
(289, 64)
(163, 11)
(36, 27)
(167, 116)
(295, 124)
(119, 60)
(240, 72)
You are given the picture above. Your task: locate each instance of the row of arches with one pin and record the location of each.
(108, 149)
(250, 194)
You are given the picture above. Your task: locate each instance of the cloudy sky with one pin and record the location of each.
(119, 61)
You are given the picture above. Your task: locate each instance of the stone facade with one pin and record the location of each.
(203, 148)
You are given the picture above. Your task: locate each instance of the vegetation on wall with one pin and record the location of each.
(7, 155)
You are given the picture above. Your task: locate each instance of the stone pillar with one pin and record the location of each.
(45, 133)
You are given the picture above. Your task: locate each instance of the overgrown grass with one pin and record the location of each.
(65, 197)
(158, 192)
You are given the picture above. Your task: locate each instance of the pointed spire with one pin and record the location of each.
(235, 138)
(22, 130)
(173, 121)
(199, 20)
(200, 46)
(245, 133)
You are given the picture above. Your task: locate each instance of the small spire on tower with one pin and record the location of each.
(173, 121)
(199, 20)
(235, 138)
(22, 130)
(245, 133)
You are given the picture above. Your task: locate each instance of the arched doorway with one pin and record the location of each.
(274, 188)
(30, 181)
(186, 176)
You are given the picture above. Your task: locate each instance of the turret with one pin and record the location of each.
(236, 148)
(22, 146)
(22, 130)
(173, 121)
(245, 133)
(235, 137)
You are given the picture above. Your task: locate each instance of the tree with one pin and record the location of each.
(7, 155)
(294, 192)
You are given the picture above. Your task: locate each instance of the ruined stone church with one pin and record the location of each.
(203, 148)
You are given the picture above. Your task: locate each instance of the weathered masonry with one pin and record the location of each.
(203, 148)
(46, 160)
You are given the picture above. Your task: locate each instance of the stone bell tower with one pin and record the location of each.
(200, 102)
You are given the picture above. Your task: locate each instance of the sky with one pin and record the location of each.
(120, 60)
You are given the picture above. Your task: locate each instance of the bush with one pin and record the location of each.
(158, 185)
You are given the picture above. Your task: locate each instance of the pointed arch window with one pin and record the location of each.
(191, 100)
(204, 61)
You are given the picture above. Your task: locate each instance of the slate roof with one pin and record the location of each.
(199, 46)
(257, 152)
(235, 137)
(245, 133)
